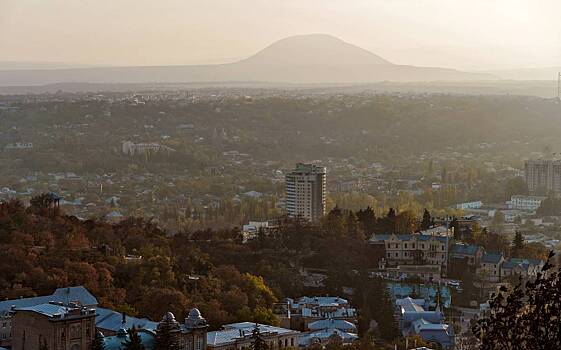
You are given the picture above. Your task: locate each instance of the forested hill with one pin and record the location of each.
(44, 249)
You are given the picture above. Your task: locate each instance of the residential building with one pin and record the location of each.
(300, 314)
(469, 205)
(251, 230)
(77, 295)
(327, 336)
(238, 336)
(415, 320)
(521, 267)
(306, 191)
(490, 267)
(543, 176)
(54, 326)
(530, 203)
(467, 253)
(413, 249)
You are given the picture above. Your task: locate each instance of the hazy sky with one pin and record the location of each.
(474, 34)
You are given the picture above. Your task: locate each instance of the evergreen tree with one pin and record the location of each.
(98, 343)
(426, 222)
(353, 228)
(257, 341)
(367, 218)
(134, 342)
(517, 244)
(166, 334)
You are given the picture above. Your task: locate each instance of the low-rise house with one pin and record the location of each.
(239, 336)
(326, 337)
(468, 253)
(299, 314)
(521, 267)
(415, 320)
(490, 267)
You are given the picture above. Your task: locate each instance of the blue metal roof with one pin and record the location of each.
(49, 310)
(491, 258)
(111, 320)
(65, 295)
(235, 331)
(464, 249)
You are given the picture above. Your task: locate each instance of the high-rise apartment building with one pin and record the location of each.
(543, 176)
(306, 191)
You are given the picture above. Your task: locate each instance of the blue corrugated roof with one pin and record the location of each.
(64, 295)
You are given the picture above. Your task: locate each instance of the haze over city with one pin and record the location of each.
(473, 35)
(280, 175)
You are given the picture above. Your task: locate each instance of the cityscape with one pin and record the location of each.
(250, 175)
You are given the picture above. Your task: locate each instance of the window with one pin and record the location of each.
(423, 246)
(291, 341)
(389, 255)
(396, 255)
(198, 343)
(405, 245)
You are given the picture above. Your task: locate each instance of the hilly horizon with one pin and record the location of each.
(302, 59)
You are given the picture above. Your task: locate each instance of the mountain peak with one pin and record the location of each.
(314, 49)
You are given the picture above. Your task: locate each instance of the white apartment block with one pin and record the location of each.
(525, 202)
(306, 191)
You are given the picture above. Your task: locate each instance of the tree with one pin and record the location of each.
(426, 222)
(517, 244)
(527, 316)
(257, 341)
(98, 343)
(368, 219)
(134, 342)
(167, 333)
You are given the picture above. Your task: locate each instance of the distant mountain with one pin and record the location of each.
(546, 73)
(304, 59)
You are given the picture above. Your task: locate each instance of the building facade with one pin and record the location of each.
(306, 191)
(77, 295)
(543, 176)
(530, 203)
(53, 326)
(238, 336)
(414, 249)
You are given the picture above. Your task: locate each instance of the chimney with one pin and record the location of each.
(124, 319)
